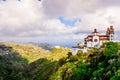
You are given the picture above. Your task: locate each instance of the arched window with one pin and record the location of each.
(95, 40)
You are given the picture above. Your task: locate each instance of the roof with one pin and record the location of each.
(104, 38)
(101, 37)
(95, 31)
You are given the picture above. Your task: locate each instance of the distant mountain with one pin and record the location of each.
(45, 46)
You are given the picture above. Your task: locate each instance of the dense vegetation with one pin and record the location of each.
(28, 62)
(98, 64)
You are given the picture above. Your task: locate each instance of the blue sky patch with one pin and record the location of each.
(69, 22)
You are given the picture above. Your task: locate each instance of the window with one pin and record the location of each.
(95, 40)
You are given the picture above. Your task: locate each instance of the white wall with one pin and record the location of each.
(89, 44)
(75, 50)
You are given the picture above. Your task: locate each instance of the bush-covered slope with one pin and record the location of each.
(28, 62)
(43, 68)
(99, 65)
(58, 53)
(28, 51)
(14, 59)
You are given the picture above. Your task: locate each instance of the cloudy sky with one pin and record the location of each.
(58, 22)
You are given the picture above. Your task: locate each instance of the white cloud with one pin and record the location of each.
(69, 8)
(27, 20)
(17, 14)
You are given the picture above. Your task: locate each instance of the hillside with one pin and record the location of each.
(57, 53)
(28, 51)
(28, 62)
(59, 64)
(98, 65)
(47, 66)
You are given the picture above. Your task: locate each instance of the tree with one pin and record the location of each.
(111, 49)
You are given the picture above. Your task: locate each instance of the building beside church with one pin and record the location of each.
(95, 40)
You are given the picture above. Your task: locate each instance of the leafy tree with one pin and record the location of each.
(111, 49)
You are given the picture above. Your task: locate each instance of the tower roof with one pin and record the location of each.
(111, 28)
(95, 31)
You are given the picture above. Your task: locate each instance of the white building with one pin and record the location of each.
(80, 47)
(95, 40)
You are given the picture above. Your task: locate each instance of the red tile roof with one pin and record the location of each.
(101, 37)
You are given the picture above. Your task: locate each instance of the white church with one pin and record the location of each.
(94, 40)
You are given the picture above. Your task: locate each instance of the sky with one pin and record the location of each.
(57, 22)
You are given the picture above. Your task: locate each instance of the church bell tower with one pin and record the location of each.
(110, 33)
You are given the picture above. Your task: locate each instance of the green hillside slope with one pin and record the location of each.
(28, 51)
(29, 62)
(99, 65)
(43, 68)
(15, 57)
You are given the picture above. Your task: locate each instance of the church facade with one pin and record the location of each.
(95, 40)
